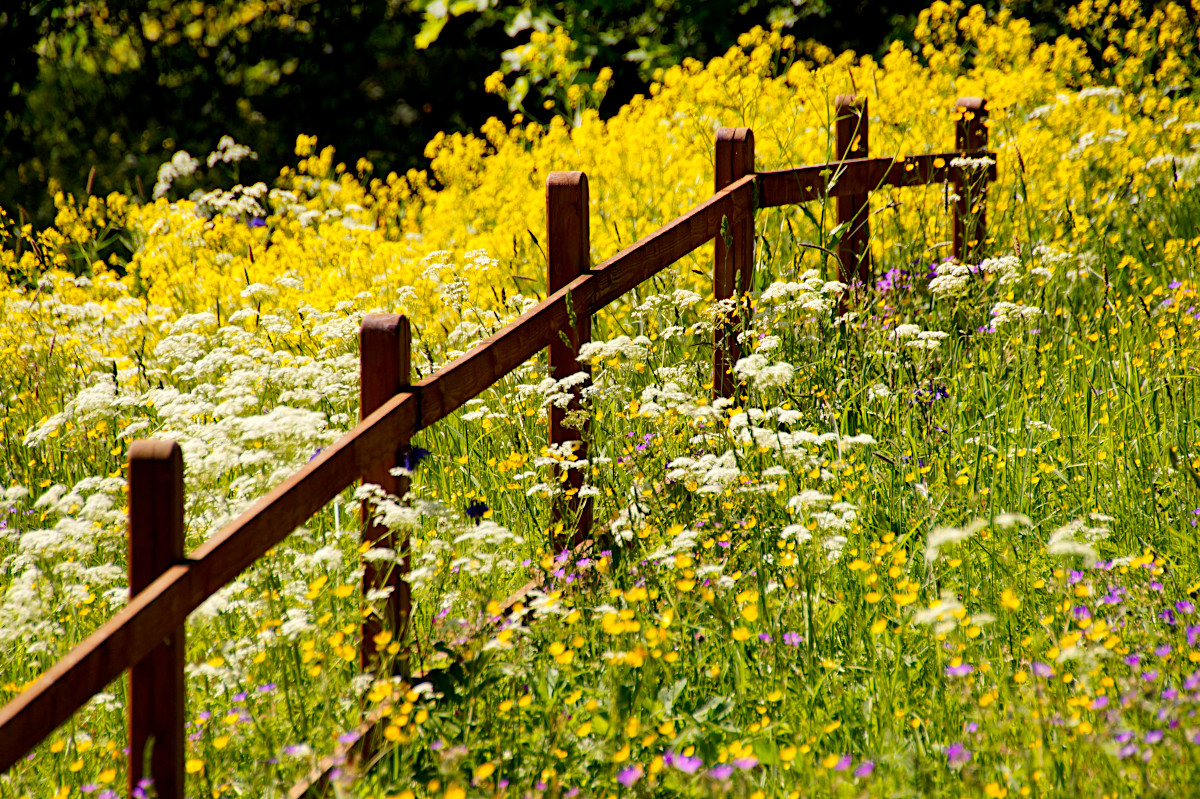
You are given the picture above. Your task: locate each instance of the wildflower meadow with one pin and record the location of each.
(942, 541)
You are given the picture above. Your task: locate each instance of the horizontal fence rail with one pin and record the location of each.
(847, 178)
(147, 635)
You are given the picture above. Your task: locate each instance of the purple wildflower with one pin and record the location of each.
(413, 456)
(957, 754)
(688, 765)
(629, 775)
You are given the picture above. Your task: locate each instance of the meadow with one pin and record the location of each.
(942, 543)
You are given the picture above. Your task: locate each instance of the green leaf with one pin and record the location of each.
(836, 234)
(667, 696)
(832, 616)
(766, 752)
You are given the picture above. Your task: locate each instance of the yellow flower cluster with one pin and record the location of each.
(345, 234)
(335, 234)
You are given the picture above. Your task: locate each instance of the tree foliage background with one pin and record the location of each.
(99, 93)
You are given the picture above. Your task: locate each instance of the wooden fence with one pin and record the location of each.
(147, 636)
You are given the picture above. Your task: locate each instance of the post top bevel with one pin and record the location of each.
(154, 449)
(735, 134)
(383, 321)
(566, 178)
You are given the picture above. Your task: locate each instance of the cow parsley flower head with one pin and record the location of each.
(762, 373)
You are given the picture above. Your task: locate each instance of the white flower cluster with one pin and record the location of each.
(1066, 540)
(181, 165)
(837, 519)
(942, 613)
(1005, 267)
(810, 294)
(972, 163)
(656, 401)
(230, 152)
(713, 473)
(952, 280)
(654, 304)
(913, 336)
(1007, 313)
(621, 347)
(760, 429)
(762, 373)
(238, 201)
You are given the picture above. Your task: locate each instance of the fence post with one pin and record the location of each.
(385, 363)
(568, 237)
(970, 210)
(854, 211)
(733, 255)
(156, 685)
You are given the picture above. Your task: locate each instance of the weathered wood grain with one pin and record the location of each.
(155, 713)
(385, 367)
(970, 210)
(852, 133)
(733, 252)
(569, 255)
(802, 184)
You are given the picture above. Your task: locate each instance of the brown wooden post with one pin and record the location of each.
(733, 256)
(385, 361)
(156, 685)
(568, 236)
(854, 211)
(970, 210)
